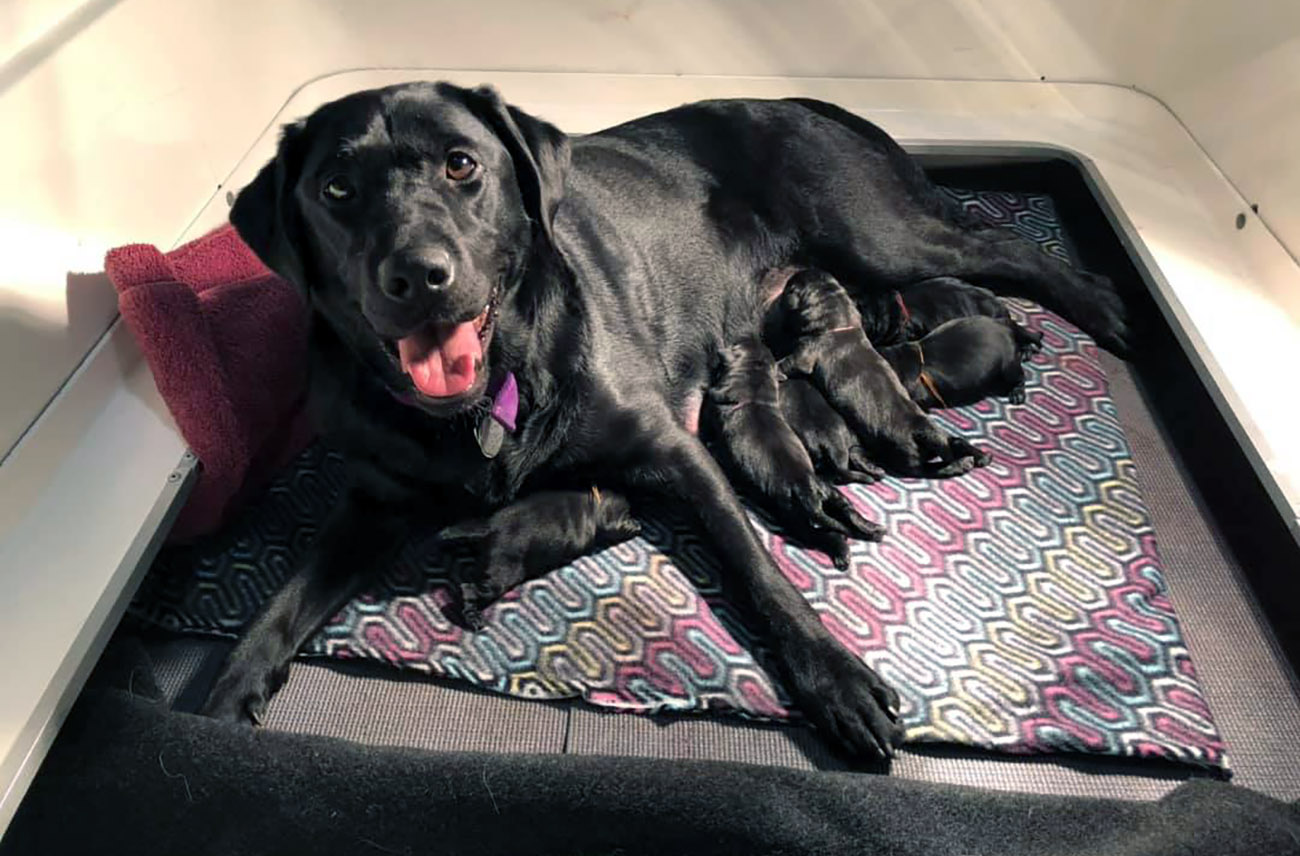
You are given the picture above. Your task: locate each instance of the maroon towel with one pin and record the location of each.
(226, 340)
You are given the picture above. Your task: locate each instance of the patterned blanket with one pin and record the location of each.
(1020, 608)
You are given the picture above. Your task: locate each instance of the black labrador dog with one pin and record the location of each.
(499, 308)
(828, 346)
(964, 361)
(743, 425)
(533, 535)
(835, 452)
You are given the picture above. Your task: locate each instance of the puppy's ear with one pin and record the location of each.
(539, 150)
(265, 214)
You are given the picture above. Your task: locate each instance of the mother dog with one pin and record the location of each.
(461, 256)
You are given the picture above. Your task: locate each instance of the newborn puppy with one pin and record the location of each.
(743, 426)
(914, 310)
(830, 347)
(964, 361)
(536, 534)
(834, 450)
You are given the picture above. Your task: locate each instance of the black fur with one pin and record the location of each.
(831, 445)
(616, 266)
(742, 424)
(535, 534)
(830, 347)
(964, 361)
(913, 310)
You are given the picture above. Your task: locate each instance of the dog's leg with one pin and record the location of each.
(840, 695)
(360, 536)
(861, 468)
(841, 513)
(1003, 263)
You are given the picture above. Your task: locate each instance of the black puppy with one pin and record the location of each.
(965, 361)
(537, 534)
(834, 450)
(462, 258)
(913, 310)
(830, 347)
(742, 423)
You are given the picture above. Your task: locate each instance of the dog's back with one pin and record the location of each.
(967, 360)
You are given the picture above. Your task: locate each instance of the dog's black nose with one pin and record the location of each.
(405, 273)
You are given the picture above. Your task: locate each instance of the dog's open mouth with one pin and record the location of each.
(445, 359)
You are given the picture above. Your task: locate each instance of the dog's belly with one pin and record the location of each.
(689, 411)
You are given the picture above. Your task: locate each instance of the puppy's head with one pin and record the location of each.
(407, 216)
(814, 302)
(745, 374)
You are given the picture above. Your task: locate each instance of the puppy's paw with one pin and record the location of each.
(474, 598)
(623, 530)
(241, 694)
(1017, 394)
(862, 469)
(962, 448)
(962, 457)
(842, 510)
(847, 702)
(1028, 343)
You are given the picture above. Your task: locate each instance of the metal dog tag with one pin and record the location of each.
(490, 435)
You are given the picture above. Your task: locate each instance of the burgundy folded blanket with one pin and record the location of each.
(227, 342)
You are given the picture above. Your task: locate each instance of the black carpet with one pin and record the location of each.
(129, 776)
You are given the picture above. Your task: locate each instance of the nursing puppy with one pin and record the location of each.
(741, 423)
(913, 310)
(965, 361)
(536, 534)
(829, 346)
(834, 450)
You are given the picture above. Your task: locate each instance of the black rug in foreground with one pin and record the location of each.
(128, 776)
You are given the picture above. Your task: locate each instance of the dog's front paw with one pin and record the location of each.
(854, 710)
(241, 694)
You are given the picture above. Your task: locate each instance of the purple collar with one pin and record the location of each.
(504, 392)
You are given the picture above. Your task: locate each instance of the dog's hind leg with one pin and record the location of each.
(840, 695)
(1006, 265)
(360, 537)
(880, 223)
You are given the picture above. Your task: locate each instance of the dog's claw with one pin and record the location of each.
(849, 704)
(242, 696)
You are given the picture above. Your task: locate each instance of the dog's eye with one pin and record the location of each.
(460, 166)
(338, 189)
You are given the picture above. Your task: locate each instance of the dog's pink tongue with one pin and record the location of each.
(441, 358)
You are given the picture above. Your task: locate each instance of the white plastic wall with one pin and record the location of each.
(121, 118)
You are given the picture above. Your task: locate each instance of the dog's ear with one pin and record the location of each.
(539, 150)
(265, 214)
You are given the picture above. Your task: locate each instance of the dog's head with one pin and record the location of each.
(407, 215)
(814, 302)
